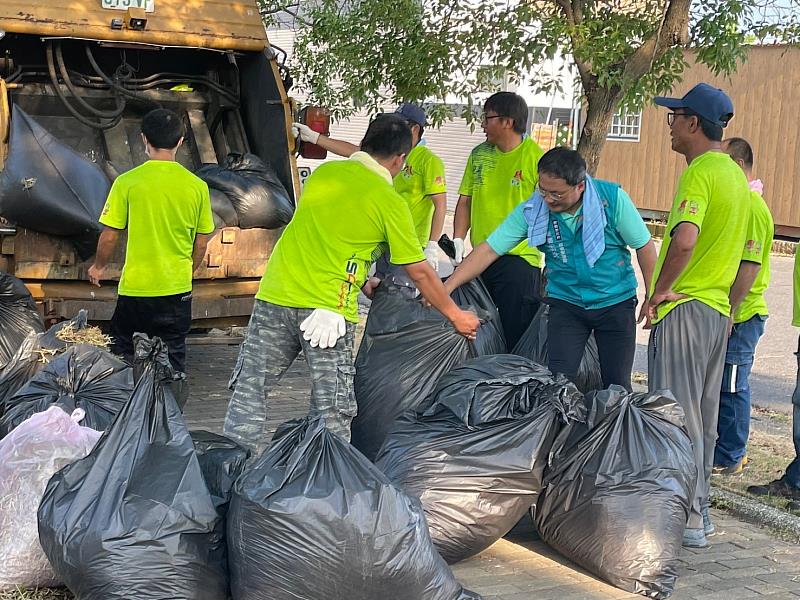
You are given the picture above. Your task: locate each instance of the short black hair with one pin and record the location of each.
(563, 163)
(509, 104)
(387, 136)
(163, 128)
(739, 149)
(711, 130)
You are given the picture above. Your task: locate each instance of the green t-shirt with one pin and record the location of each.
(757, 246)
(346, 215)
(163, 206)
(713, 194)
(498, 182)
(423, 176)
(796, 291)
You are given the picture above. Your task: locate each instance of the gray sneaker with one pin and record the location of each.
(694, 538)
(708, 526)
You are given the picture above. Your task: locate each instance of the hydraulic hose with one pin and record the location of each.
(51, 68)
(103, 114)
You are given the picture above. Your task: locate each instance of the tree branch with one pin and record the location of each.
(674, 29)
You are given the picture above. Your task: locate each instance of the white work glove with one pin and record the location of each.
(432, 254)
(459, 244)
(323, 327)
(305, 133)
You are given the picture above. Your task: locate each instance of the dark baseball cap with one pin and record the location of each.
(709, 102)
(413, 113)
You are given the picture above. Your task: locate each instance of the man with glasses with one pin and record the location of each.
(585, 228)
(690, 308)
(500, 175)
(307, 299)
(421, 182)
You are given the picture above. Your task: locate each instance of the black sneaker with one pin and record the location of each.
(779, 487)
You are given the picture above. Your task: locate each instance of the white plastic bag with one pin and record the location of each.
(29, 456)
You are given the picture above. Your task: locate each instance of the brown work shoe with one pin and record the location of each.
(779, 487)
(734, 470)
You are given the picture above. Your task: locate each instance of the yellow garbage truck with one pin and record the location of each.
(76, 78)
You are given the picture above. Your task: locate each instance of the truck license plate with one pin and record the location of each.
(147, 5)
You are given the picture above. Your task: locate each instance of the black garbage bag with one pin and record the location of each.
(254, 190)
(405, 349)
(313, 519)
(84, 377)
(618, 491)
(134, 519)
(18, 316)
(533, 345)
(474, 294)
(224, 213)
(222, 461)
(32, 355)
(476, 459)
(46, 186)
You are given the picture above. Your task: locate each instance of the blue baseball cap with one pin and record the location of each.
(709, 102)
(413, 113)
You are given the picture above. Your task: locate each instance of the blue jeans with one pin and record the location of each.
(733, 427)
(793, 470)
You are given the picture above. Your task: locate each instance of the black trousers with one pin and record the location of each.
(168, 317)
(614, 327)
(514, 285)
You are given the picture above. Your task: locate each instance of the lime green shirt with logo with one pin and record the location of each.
(714, 195)
(163, 206)
(497, 182)
(757, 246)
(423, 176)
(796, 291)
(347, 214)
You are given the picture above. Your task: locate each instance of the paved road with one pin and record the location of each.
(775, 368)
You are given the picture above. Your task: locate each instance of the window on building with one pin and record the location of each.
(625, 126)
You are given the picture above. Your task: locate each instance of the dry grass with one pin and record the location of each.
(44, 594)
(769, 452)
(71, 336)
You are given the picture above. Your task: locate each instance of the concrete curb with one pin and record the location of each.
(753, 511)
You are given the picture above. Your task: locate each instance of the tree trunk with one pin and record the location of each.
(601, 104)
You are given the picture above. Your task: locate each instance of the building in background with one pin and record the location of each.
(766, 103)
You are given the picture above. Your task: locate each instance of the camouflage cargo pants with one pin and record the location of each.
(272, 342)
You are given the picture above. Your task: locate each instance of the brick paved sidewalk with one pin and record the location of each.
(742, 562)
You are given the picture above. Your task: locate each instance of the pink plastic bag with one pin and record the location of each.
(29, 456)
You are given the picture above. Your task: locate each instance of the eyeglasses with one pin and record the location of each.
(558, 196)
(671, 117)
(484, 118)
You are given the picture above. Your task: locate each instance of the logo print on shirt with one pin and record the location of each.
(517, 179)
(753, 247)
(351, 269)
(439, 180)
(693, 207)
(408, 171)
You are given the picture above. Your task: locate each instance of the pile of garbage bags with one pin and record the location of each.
(32, 355)
(85, 377)
(46, 186)
(246, 193)
(406, 348)
(313, 519)
(476, 456)
(135, 519)
(221, 461)
(533, 345)
(18, 316)
(618, 491)
(29, 457)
